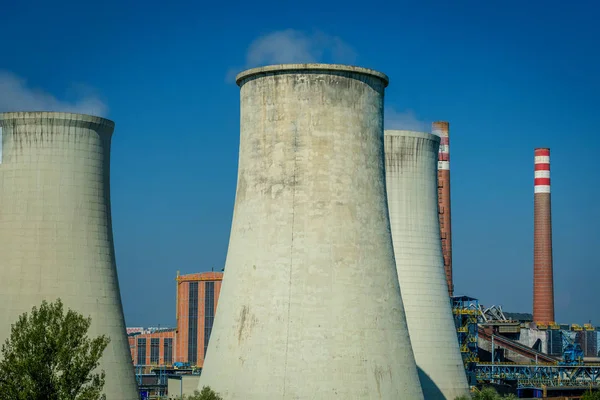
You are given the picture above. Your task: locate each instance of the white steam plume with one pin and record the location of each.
(16, 95)
(293, 46)
(404, 120)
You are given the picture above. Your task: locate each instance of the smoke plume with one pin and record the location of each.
(293, 46)
(404, 120)
(16, 95)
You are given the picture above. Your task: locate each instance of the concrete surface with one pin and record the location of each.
(56, 235)
(310, 306)
(411, 177)
(187, 384)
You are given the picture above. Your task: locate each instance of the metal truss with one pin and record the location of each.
(539, 375)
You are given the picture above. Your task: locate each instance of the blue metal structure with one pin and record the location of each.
(466, 310)
(572, 352)
(180, 364)
(151, 380)
(536, 376)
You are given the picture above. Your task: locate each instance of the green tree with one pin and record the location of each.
(49, 356)
(591, 395)
(206, 394)
(486, 393)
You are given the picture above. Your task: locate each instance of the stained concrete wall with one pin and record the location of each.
(411, 177)
(56, 235)
(528, 337)
(177, 387)
(310, 306)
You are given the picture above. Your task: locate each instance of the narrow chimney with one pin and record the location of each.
(442, 129)
(543, 281)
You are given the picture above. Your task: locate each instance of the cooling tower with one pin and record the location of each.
(310, 306)
(56, 235)
(442, 129)
(543, 280)
(411, 178)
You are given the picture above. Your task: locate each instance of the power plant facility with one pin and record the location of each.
(197, 296)
(338, 280)
(310, 305)
(56, 238)
(411, 180)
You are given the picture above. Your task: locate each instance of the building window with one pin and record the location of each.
(168, 351)
(209, 311)
(193, 323)
(154, 350)
(141, 351)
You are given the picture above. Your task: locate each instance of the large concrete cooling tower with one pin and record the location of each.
(411, 177)
(310, 306)
(55, 229)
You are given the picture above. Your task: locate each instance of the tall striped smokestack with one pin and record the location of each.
(442, 129)
(543, 280)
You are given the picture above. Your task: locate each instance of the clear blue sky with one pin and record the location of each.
(509, 76)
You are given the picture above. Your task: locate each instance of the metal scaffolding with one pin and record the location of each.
(466, 311)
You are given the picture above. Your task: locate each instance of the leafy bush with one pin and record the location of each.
(489, 393)
(206, 394)
(595, 395)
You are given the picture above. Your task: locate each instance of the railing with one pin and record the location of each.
(541, 374)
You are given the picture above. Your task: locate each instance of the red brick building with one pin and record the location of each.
(197, 296)
(156, 348)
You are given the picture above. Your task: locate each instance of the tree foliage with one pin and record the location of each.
(206, 394)
(488, 393)
(591, 395)
(49, 356)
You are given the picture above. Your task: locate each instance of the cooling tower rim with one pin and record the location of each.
(288, 68)
(54, 115)
(412, 134)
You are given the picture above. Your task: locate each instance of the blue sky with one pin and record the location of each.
(509, 77)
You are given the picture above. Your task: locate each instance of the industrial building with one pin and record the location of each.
(164, 357)
(56, 238)
(196, 304)
(530, 353)
(197, 296)
(411, 170)
(156, 348)
(311, 305)
(516, 353)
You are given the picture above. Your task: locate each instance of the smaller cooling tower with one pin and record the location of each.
(411, 178)
(56, 235)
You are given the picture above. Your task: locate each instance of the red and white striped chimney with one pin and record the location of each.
(442, 129)
(543, 276)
